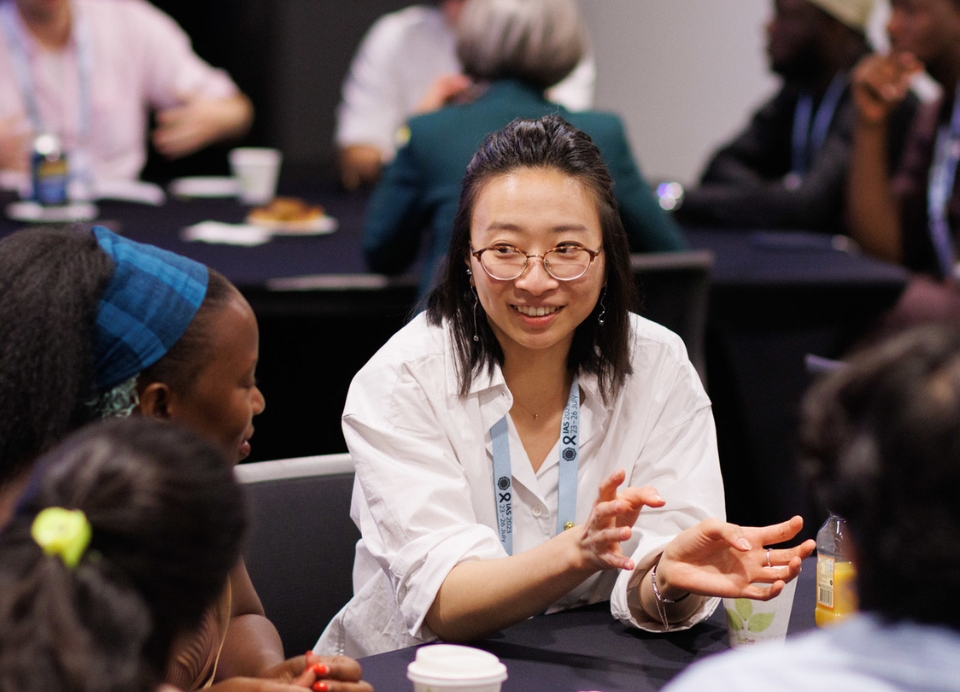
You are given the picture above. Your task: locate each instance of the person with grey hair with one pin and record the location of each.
(406, 65)
(513, 50)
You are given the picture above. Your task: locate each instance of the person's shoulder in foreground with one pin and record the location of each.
(862, 655)
(878, 440)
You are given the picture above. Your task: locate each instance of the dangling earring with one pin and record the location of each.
(603, 310)
(476, 301)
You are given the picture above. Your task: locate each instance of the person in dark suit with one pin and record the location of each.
(786, 169)
(512, 59)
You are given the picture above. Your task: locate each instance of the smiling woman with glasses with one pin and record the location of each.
(528, 444)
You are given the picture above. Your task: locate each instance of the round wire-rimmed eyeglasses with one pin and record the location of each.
(507, 263)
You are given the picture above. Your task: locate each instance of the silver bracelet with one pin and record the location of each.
(656, 591)
(660, 600)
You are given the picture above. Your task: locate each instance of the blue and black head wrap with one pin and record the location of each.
(150, 301)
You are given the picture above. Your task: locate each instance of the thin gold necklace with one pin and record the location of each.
(536, 416)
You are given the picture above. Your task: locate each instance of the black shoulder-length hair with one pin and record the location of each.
(546, 143)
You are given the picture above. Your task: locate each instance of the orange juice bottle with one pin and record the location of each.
(836, 573)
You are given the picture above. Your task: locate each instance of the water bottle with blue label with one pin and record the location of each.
(50, 171)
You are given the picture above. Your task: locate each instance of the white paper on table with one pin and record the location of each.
(226, 233)
(129, 191)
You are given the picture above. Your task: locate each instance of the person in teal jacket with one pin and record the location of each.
(513, 50)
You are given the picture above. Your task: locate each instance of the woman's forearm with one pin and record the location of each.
(873, 213)
(478, 598)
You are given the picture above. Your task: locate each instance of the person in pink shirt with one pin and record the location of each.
(91, 71)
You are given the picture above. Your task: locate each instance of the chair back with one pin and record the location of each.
(674, 291)
(302, 542)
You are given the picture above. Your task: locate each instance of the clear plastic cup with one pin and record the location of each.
(256, 170)
(751, 622)
(452, 668)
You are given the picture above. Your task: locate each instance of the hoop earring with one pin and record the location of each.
(476, 302)
(603, 309)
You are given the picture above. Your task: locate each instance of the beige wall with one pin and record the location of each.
(684, 74)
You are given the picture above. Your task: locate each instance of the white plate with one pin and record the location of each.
(204, 186)
(35, 213)
(317, 226)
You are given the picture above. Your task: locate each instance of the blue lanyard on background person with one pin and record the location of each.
(569, 465)
(21, 64)
(943, 172)
(808, 139)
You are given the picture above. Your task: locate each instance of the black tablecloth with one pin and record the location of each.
(586, 649)
(247, 267)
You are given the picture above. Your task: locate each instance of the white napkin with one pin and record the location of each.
(129, 191)
(226, 233)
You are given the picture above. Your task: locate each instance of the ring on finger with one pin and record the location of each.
(769, 564)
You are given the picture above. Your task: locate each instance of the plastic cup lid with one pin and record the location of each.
(452, 665)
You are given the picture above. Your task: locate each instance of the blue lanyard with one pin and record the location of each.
(569, 465)
(807, 140)
(943, 171)
(21, 64)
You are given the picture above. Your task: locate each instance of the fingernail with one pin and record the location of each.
(321, 669)
(657, 498)
(743, 544)
(321, 686)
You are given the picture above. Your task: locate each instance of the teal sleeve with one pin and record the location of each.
(395, 216)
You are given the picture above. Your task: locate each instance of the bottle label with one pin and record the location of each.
(825, 584)
(50, 178)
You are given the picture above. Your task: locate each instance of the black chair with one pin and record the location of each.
(674, 291)
(301, 546)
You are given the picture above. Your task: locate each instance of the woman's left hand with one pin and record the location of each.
(716, 558)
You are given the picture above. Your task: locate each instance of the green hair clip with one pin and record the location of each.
(63, 532)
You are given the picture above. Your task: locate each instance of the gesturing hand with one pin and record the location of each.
(715, 558)
(611, 521)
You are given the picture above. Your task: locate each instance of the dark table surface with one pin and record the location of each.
(337, 253)
(742, 258)
(586, 649)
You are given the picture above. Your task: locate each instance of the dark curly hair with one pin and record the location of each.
(880, 441)
(546, 143)
(167, 523)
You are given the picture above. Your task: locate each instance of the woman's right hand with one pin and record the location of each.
(611, 520)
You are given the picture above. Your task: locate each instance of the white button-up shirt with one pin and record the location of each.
(424, 495)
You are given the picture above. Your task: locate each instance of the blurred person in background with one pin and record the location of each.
(407, 64)
(909, 212)
(788, 168)
(513, 50)
(90, 72)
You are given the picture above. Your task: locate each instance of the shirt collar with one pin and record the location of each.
(495, 398)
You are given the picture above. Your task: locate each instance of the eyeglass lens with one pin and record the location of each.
(564, 263)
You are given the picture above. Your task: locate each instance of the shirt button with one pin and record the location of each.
(536, 510)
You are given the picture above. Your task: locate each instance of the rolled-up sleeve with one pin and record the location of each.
(417, 493)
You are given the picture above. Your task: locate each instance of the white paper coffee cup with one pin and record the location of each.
(751, 622)
(256, 170)
(452, 668)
